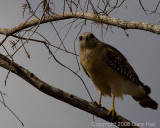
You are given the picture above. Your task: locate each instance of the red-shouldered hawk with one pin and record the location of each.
(111, 73)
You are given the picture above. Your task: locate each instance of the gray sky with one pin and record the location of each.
(38, 110)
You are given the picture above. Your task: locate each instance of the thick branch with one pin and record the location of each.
(57, 93)
(88, 16)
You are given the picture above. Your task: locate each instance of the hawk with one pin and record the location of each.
(111, 73)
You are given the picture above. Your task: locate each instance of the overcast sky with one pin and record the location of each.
(37, 110)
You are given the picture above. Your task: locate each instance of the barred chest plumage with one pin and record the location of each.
(105, 79)
(94, 65)
(91, 60)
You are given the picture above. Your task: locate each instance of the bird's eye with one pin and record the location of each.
(91, 35)
(80, 38)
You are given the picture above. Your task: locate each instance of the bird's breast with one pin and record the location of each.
(92, 60)
(98, 70)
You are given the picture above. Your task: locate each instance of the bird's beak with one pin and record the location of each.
(86, 36)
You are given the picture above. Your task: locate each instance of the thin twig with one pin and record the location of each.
(142, 7)
(13, 113)
(3, 98)
(5, 82)
(4, 39)
(41, 41)
(62, 43)
(34, 30)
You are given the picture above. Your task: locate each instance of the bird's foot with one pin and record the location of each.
(112, 113)
(96, 104)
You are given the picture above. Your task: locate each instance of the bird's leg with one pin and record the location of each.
(112, 111)
(99, 102)
(100, 96)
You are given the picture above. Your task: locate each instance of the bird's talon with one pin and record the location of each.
(95, 103)
(99, 104)
(112, 113)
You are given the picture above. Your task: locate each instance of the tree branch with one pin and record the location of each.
(60, 94)
(88, 16)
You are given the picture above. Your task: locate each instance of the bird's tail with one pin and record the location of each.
(146, 101)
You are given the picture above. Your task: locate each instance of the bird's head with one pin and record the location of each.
(87, 40)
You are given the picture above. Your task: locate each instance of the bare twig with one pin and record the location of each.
(62, 43)
(12, 113)
(3, 101)
(88, 16)
(35, 28)
(155, 11)
(41, 41)
(4, 39)
(5, 82)
(142, 7)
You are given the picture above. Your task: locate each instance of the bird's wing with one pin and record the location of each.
(116, 60)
